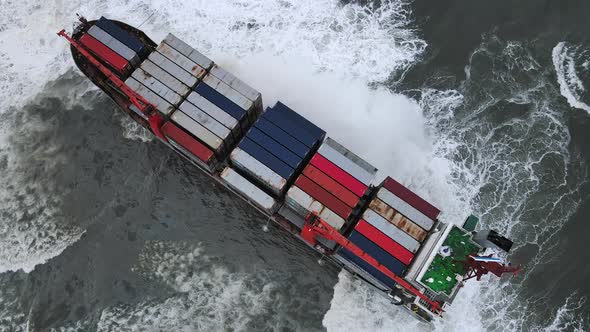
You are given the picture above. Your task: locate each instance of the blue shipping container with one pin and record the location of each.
(274, 147)
(367, 267)
(282, 137)
(299, 119)
(220, 101)
(266, 158)
(121, 35)
(293, 129)
(379, 254)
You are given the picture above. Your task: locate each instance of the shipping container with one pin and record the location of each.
(121, 35)
(391, 231)
(305, 204)
(272, 146)
(156, 86)
(173, 69)
(266, 158)
(161, 105)
(292, 128)
(242, 160)
(324, 197)
(248, 189)
(411, 198)
(231, 94)
(336, 173)
(187, 145)
(178, 58)
(188, 51)
(115, 45)
(350, 155)
(367, 267)
(282, 137)
(222, 102)
(383, 241)
(206, 121)
(162, 76)
(238, 85)
(298, 119)
(331, 185)
(346, 164)
(114, 60)
(220, 115)
(202, 133)
(383, 257)
(398, 219)
(404, 208)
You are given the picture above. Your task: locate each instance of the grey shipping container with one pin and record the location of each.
(220, 115)
(197, 130)
(248, 189)
(156, 86)
(391, 231)
(173, 69)
(178, 58)
(406, 209)
(161, 75)
(231, 94)
(206, 121)
(242, 160)
(115, 45)
(238, 85)
(350, 155)
(309, 204)
(398, 219)
(161, 104)
(348, 165)
(188, 51)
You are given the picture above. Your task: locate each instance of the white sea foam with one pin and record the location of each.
(570, 84)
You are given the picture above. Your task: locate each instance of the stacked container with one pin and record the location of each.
(117, 47)
(275, 149)
(392, 229)
(332, 184)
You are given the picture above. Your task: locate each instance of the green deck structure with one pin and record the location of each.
(442, 272)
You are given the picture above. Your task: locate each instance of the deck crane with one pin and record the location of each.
(314, 226)
(154, 118)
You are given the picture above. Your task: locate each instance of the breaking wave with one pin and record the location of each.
(567, 60)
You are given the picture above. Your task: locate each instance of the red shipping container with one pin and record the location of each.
(102, 51)
(188, 142)
(339, 175)
(383, 241)
(414, 200)
(331, 185)
(322, 196)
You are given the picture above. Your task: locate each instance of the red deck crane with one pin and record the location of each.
(154, 118)
(314, 225)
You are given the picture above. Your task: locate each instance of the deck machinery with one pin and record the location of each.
(385, 235)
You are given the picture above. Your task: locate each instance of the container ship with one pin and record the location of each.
(288, 168)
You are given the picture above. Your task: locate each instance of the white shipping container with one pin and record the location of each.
(115, 45)
(162, 105)
(188, 51)
(162, 76)
(350, 155)
(231, 94)
(220, 115)
(346, 164)
(205, 120)
(173, 69)
(236, 84)
(406, 209)
(246, 162)
(391, 231)
(197, 130)
(311, 205)
(156, 86)
(239, 183)
(178, 58)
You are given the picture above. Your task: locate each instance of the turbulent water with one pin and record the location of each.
(479, 108)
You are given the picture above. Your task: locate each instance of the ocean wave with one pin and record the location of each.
(572, 88)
